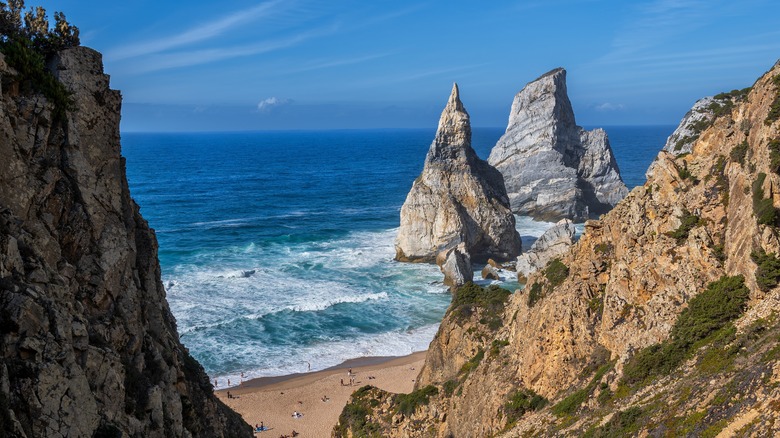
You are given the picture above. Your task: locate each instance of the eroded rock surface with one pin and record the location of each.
(554, 169)
(458, 198)
(88, 345)
(455, 264)
(554, 243)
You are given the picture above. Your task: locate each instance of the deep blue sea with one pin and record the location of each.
(277, 247)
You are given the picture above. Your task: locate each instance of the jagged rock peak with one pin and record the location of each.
(553, 168)
(543, 96)
(453, 137)
(458, 198)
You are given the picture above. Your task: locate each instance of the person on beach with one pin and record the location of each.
(342, 382)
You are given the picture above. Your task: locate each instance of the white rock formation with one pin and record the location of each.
(458, 198)
(455, 264)
(691, 125)
(552, 244)
(553, 168)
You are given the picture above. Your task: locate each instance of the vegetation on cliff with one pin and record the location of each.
(707, 313)
(28, 42)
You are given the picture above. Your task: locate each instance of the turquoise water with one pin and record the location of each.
(276, 247)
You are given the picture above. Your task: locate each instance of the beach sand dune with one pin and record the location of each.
(273, 400)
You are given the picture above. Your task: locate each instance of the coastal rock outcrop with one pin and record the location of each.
(554, 243)
(699, 118)
(661, 319)
(455, 264)
(88, 344)
(458, 198)
(554, 169)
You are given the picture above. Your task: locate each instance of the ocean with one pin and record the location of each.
(277, 250)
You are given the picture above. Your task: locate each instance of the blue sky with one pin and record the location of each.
(299, 64)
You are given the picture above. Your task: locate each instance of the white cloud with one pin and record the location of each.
(199, 33)
(266, 105)
(608, 106)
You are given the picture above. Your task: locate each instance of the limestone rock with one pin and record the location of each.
(554, 243)
(690, 127)
(88, 345)
(553, 168)
(490, 273)
(458, 198)
(455, 264)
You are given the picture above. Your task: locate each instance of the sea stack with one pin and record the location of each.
(554, 169)
(458, 199)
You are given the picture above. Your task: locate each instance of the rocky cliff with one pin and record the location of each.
(554, 169)
(88, 345)
(699, 118)
(458, 198)
(660, 321)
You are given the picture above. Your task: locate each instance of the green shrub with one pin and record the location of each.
(472, 363)
(354, 417)
(623, 423)
(570, 404)
(492, 299)
(688, 222)
(450, 386)
(707, 313)
(764, 209)
(408, 403)
(556, 272)
(721, 179)
(774, 155)
(774, 109)
(684, 173)
(768, 270)
(739, 153)
(606, 248)
(496, 346)
(27, 44)
(534, 294)
(722, 302)
(522, 401)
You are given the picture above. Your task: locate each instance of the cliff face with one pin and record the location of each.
(457, 199)
(88, 345)
(553, 168)
(563, 358)
(700, 116)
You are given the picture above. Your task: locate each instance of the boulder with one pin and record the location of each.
(458, 198)
(490, 273)
(455, 264)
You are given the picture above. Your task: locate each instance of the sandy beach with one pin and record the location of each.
(273, 400)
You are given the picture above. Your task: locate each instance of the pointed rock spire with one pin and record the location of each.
(458, 200)
(453, 137)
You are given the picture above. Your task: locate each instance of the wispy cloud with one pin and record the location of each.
(322, 64)
(609, 106)
(156, 62)
(659, 21)
(196, 34)
(266, 105)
